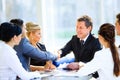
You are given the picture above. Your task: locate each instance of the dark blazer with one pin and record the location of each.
(84, 53)
(38, 62)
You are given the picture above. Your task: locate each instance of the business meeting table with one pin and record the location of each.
(60, 74)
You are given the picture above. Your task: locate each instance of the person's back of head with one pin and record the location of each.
(8, 31)
(107, 30)
(18, 22)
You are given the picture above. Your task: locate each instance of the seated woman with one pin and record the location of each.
(34, 36)
(10, 66)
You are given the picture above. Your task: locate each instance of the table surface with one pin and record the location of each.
(62, 75)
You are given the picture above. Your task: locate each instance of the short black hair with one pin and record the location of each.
(18, 22)
(8, 31)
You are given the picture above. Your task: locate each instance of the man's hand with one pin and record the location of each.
(73, 66)
(59, 53)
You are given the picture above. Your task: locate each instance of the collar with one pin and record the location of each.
(85, 38)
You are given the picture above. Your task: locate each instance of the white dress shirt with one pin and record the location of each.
(10, 65)
(103, 63)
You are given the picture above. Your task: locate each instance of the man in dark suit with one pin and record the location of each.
(83, 44)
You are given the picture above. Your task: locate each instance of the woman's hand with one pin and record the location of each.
(49, 66)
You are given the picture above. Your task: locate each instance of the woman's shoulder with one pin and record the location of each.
(102, 52)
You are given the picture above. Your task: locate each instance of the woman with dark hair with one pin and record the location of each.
(105, 61)
(10, 66)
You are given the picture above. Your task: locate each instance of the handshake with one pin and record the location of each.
(73, 65)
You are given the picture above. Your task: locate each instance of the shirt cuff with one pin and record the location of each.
(60, 52)
(81, 64)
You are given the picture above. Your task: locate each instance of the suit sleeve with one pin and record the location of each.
(37, 54)
(67, 48)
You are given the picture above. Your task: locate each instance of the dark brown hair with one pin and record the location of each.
(107, 31)
(18, 22)
(118, 18)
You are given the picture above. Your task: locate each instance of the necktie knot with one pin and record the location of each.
(82, 42)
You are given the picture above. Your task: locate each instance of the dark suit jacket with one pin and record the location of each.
(38, 62)
(85, 53)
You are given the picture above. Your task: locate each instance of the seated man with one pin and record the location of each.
(83, 44)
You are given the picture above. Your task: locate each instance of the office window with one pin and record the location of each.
(57, 18)
(61, 15)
